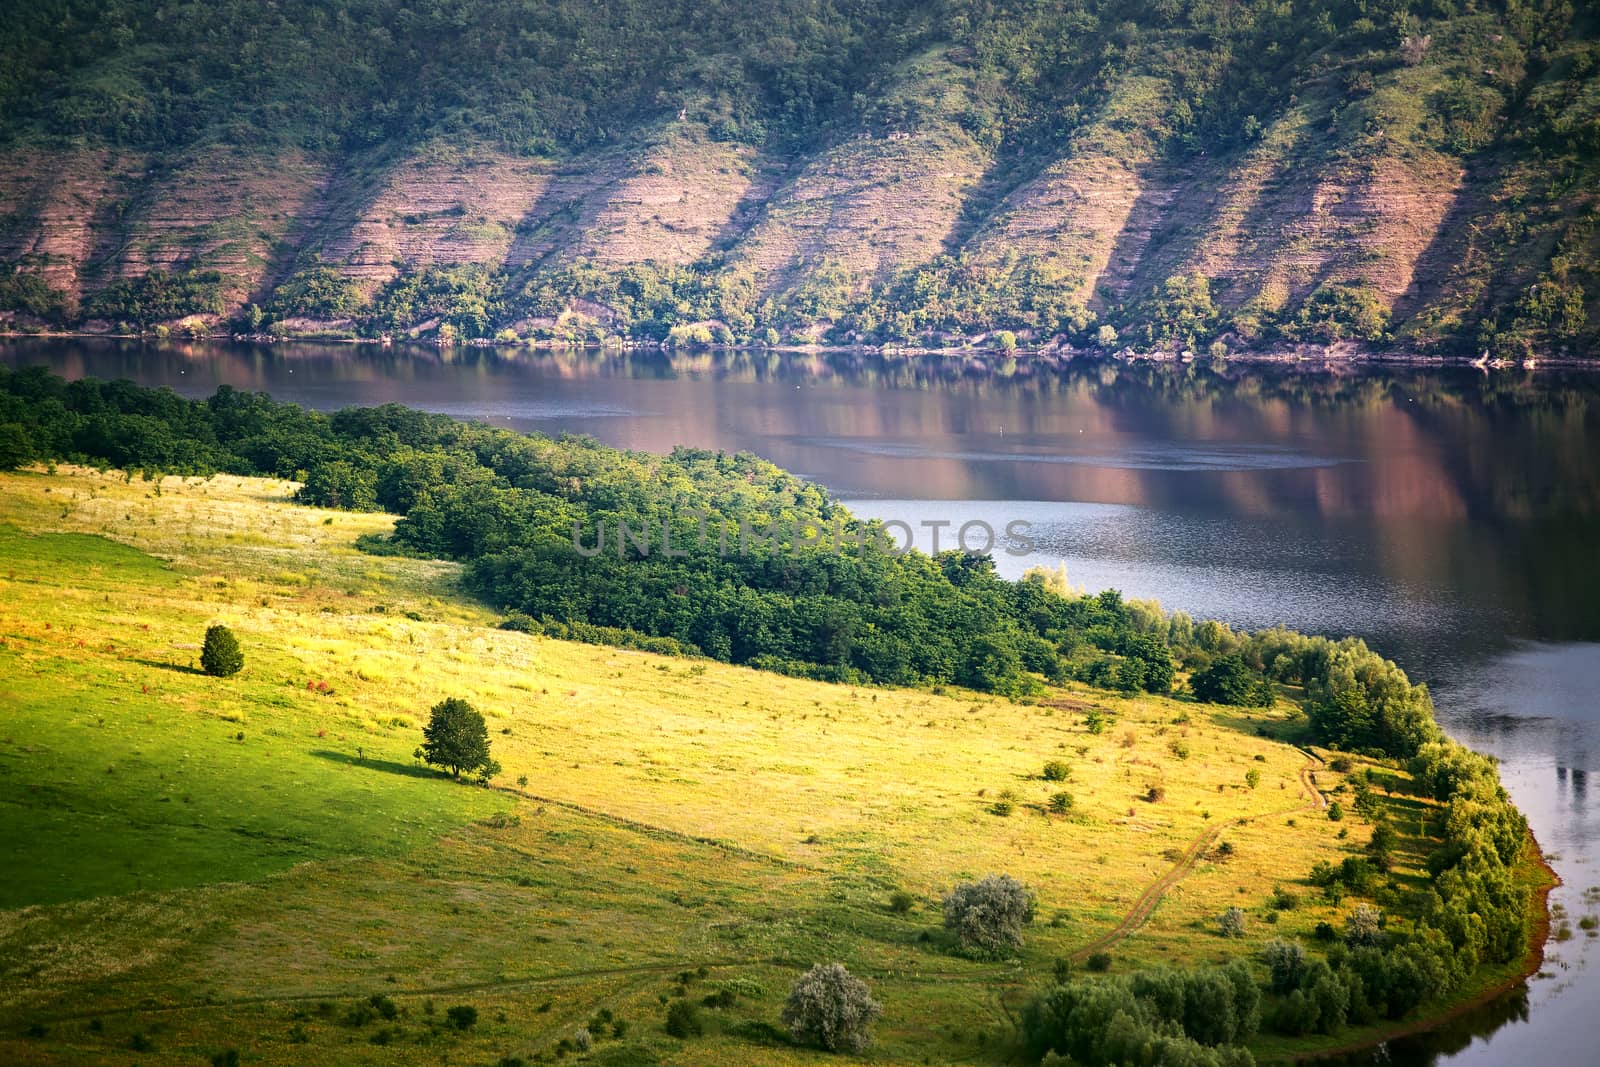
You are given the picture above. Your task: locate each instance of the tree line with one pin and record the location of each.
(746, 581)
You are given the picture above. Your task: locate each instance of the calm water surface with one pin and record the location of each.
(1450, 517)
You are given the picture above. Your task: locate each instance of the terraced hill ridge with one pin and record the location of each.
(1106, 174)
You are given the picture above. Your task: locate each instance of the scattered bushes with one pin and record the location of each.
(1231, 923)
(1056, 771)
(462, 1016)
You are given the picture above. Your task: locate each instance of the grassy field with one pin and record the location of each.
(195, 865)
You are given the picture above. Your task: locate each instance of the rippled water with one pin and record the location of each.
(1451, 517)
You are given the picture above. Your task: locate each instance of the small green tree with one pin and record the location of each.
(1231, 923)
(832, 1008)
(457, 739)
(220, 656)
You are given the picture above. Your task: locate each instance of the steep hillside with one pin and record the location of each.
(1103, 173)
(259, 864)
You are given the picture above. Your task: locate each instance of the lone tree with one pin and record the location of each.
(830, 1007)
(220, 655)
(988, 915)
(457, 739)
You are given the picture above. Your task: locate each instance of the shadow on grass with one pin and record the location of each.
(388, 766)
(1261, 722)
(161, 665)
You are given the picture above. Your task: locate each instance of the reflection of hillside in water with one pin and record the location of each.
(1435, 444)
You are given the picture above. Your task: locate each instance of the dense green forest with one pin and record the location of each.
(510, 507)
(1482, 113)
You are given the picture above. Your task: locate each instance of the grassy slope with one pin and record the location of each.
(171, 879)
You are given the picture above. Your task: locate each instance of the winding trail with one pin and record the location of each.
(1146, 904)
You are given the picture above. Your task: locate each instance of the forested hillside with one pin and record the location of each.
(1105, 173)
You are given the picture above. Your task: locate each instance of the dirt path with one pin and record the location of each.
(1199, 847)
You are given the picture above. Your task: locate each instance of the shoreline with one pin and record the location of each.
(1532, 962)
(1329, 357)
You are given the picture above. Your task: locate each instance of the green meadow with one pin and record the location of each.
(259, 865)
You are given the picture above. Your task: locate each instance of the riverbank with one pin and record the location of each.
(1496, 982)
(1316, 357)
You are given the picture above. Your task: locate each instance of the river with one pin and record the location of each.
(1450, 516)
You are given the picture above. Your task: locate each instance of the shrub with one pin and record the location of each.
(1252, 778)
(1341, 764)
(1099, 962)
(1057, 771)
(1231, 923)
(901, 902)
(1002, 808)
(683, 1020)
(831, 1008)
(1155, 794)
(462, 1016)
(1336, 811)
(221, 656)
(1283, 899)
(1060, 803)
(988, 915)
(1364, 927)
(582, 1039)
(1179, 748)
